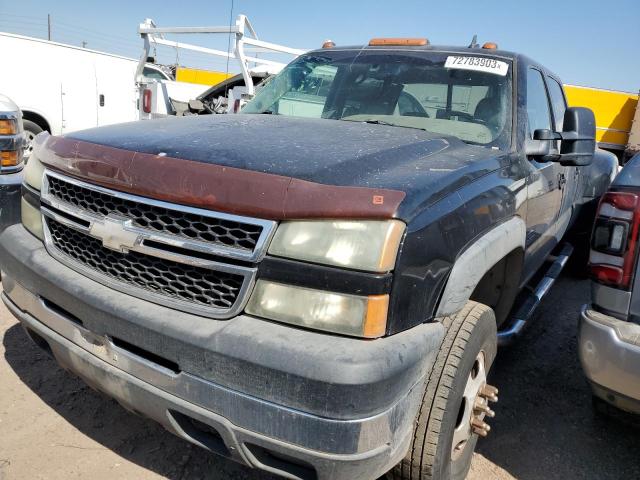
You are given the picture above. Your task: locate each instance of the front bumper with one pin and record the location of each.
(299, 403)
(10, 185)
(609, 351)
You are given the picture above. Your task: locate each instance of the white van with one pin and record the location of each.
(61, 88)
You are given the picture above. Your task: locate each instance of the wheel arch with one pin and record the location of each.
(36, 118)
(471, 275)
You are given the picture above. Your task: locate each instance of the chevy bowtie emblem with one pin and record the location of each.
(113, 234)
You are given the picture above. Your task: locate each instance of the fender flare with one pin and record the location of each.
(36, 112)
(478, 259)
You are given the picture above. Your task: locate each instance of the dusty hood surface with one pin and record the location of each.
(327, 152)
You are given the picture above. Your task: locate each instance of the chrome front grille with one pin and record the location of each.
(176, 280)
(190, 259)
(189, 225)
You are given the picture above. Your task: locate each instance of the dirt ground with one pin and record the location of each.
(54, 427)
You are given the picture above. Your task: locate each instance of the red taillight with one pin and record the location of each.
(146, 100)
(607, 274)
(620, 200)
(614, 242)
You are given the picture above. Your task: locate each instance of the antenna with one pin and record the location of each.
(474, 42)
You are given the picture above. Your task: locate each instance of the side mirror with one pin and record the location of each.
(543, 146)
(577, 140)
(578, 137)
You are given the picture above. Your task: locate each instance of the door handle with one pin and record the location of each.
(101, 100)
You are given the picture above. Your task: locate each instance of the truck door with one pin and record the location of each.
(571, 176)
(116, 90)
(77, 90)
(544, 184)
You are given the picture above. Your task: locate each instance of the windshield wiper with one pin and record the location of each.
(375, 121)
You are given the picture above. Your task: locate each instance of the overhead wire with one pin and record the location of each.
(65, 32)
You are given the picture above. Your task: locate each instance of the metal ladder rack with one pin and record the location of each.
(243, 32)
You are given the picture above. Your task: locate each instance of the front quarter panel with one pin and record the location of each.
(439, 233)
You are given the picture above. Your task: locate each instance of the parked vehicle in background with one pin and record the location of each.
(616, 129)
(227, 96)
(63, 88)
(12, 142)
(159, 100)
(633, 147)
(200, 76)
(609, 338)
(315, 287)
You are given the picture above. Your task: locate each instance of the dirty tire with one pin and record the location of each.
(469, 332)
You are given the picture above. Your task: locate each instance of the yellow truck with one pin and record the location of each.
(201, 77)
(617, 117)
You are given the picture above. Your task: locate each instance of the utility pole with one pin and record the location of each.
(48, 26)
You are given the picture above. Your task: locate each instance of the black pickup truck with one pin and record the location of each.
(315, 287)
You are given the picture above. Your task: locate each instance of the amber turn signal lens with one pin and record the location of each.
(8, 127)
(9, 159)
(416, 42)
(375, 323)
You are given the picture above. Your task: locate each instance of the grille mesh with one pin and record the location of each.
(200, 286)
(174, 222)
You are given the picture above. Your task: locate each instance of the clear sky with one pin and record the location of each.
(587, 42)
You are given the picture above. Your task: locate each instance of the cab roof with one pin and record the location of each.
(430, 48)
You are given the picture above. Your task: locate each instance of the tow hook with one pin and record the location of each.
(488, 393)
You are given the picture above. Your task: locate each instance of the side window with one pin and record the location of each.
(538, 111)
(152, 74)
(558, 102)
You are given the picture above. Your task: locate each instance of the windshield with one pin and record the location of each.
(465, 96)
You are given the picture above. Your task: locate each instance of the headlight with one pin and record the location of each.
(369, 245)
(31, 219)
(8, 127)
(11, 159)
(317, 309)
(10, 146)
(33, 172)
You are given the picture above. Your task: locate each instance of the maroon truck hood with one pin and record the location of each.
(210, 186)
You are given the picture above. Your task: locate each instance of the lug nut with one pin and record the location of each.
(489, 392)
(479, 427)
(481, 406)
(489, 389)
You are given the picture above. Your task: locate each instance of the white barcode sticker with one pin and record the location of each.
(478, 64)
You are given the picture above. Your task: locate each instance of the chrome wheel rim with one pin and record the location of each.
(474, 407)
(29, 137)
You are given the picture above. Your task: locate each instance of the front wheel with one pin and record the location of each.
(456, 400)
(31, 129)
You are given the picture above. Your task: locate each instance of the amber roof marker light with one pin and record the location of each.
(413, 42)
(328, 44)
(490, 46)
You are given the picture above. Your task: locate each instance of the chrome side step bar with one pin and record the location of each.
(530, 304)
